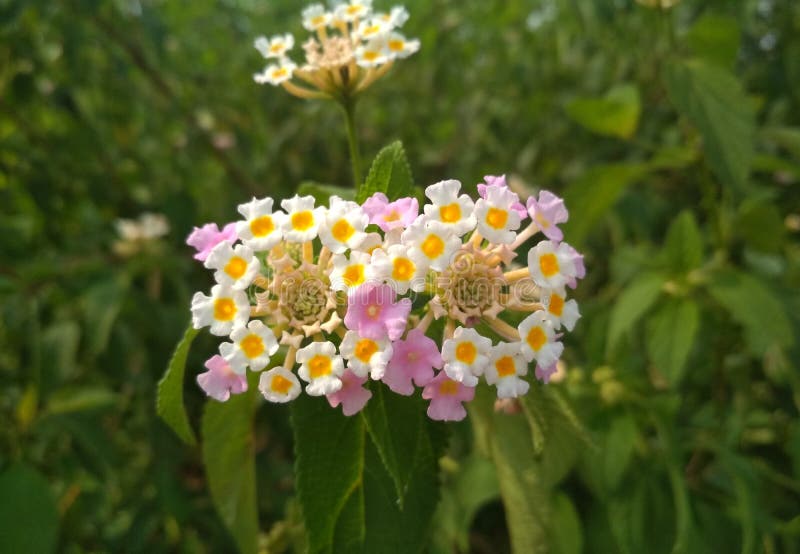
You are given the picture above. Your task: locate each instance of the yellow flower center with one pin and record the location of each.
(536, 338)
(224, 309)
(276, 48)
(365, 348)
(302, 221)
(496, 218)
(432, 246)
(318, 20)
(450, 213)
(280, 384)
(548, 263)
(262, 226)
(556, 305)
(396, 45)
(235, 267)
(371, 30)
(252, 346)
(448, 387)
(403, 269)
(319, 366)
(279, 72)
(353, 10)
(342, 230)
(394, 215)
(505, 366)
(371, 55)
(466, 352)
(353, 275)
(374, 311)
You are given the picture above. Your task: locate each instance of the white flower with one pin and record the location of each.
(236, 266)
(261, 229)
(276, 47)
(148, 226)
(279, 385)
(372, 54)
(538, 339)
(455, 211)
(505, 368)
(497, 221)
(396, 17)
(401, 47)
(373, 28)
(321, 367)
(275, 74)
(396, 266)
(302, 218)
(431, 241)
(366, 355)
(252, 346)
(315, 17)
(369, 242)
(552, 265)
(222, 310)
(466, 355)
(343, 225)
(560, 311)
(353, 10)
(349, 273)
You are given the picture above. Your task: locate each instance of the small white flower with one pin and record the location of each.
(252, 346)
(275, 74)
(538, 339)
(496, 220)
(279, 385)
(552, 265)
(466, 355)
(369, 242)
(366, 355)
(276, 47)
(222, 310)
(396, 266)
(432, 241)
(343, 225)
(455, 211)
(349, 273)
(396, 17)
(315, 17)
(505, 368)
(372, 54)
(236, 266)
(321, 367)
(302, 218)
(261, 229)
(560, 311)
(401, 47)
(353, 10)
(373, 28)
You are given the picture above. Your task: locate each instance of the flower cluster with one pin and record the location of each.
(351, 47)
(335, 286)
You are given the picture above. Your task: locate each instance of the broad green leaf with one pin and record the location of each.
(671, 333)
(683, 247)
(713, 100)
(229, 460)
(615, 114)
(787, 138)
(389, 174)
(79, 399)
(618, 450)
(596, 192)
(632, 304)
(760, 224)
(567, 533)
(715, 38)
(28, 513)
(169, 398)
(673, 157)
(752, 304)
(102, 303)
(322, 193)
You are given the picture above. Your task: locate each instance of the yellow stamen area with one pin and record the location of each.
(371, 30)
(374, 311)
(279, 72)
(496, 218)
(353, 275)
(342, 230)
(262, 226)
(318, 20)
(224, 309)
(448, 387)
(556, 305)
(365, 348)
(394, 215)
(541, 221)
(353, 10)
(280, 384)
(432, 246)
(235, 267)
(252, 346)
(396, 45)
(536, 338)
(276, 48)
(505, 366)
(450, 213)
(371, 55)
(403, 269)
(548, 263)
(319, 366)
(302, 221)
(466, 352)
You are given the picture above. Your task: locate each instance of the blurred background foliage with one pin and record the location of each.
(674, 136)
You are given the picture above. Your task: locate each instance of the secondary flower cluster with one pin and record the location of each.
(351, 48)
(336, 286)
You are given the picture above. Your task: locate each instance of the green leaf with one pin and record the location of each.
(567, 532)
(618, 451)
(28, 512)
(671, 334)
(752, 304)
(389, 174)
(79, 399)
(683, 247)
(169, 399)
(787, 138)
(760, 224)
(632, 304)
(102, 303)
(715, 38)
(615, 114)
(229, 460)
(322, 193)
(713, 100)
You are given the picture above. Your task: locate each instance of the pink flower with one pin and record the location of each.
(352, 396)
(391, 215)
(547, 212)
(373, 311)
(500, 181)
(220, 381)
(446, 398)
(544, 373)
(577, 261)
(205, 238)
(412, 359)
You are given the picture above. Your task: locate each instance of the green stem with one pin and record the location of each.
(349, 108)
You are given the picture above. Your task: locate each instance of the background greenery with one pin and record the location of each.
(674, 136)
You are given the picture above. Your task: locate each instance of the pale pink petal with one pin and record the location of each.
(352, 396)
(220, 381)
